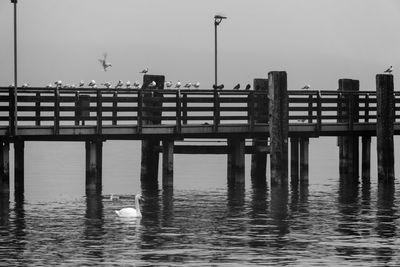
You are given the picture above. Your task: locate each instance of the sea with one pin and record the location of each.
(201, 221)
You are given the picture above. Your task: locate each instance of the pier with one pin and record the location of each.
(260, 121)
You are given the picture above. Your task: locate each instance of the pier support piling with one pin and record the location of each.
(348, 145)
(294, 161)
(304, 155)
(94, 155)
(236, 152)
(4, 168)
(278, 127)
(168, 163)
(384, 127)
(366, 159)
(19, 162)
(260, 113)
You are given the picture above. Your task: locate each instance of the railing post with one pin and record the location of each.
(184, 108)
(319, 111)
(250, 111)
(78, 111)
(384, 128)
(139, 111)
(99, 112)
(278, 127)
(216, 111)
(115, 106)
(56, 111)
(310, 108)
(178, 111)
(37, 109)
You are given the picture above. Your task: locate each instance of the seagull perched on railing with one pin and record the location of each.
(307, 86)
(178, 84)
(107, 84)
(152, 84)
(196, 85)
(104, 62)
(92, 83)
(25, 85)
(218, 87)
(49, 85)
(389, 70)
(248, 86)
(128, 84)
(81, 83)
(168, 84)
(144, 71)
(58, 83)
(188, 85)
(237, 87)
(136, 85)
(119, 84)
(11, 85)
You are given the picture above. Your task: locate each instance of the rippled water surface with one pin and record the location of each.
(201, 222)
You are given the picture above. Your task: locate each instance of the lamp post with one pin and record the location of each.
(13, 90)
(217, 21)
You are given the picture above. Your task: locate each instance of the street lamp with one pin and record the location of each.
(13, 91)
(217, 21)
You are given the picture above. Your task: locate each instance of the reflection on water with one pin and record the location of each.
(333, 224)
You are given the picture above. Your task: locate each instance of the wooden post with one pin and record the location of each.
(19, 166)
(178, 105)
(304, 152)
(150, 153)
(37, 109)
(259, 113)
(366, 159)
(94, 155)
(216, 111)
(384, 128)
(184, 108)
(4, 168)
(236, 153)
(348, 145)
(99, 112)
(56, 111)
(168, 163)
(294, 161)
(114, 108)
(278, 127)
(77, 109)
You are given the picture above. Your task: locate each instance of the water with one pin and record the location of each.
(200, 223)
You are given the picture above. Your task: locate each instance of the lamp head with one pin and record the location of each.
(218, 19)
(14, 1)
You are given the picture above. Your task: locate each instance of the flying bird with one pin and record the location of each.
(168, 84)
(307, 86)
(389, 70)
(196, 85)
(248, 86)
(104, 62)
(144, 71)
(237, 86)
(178, 84)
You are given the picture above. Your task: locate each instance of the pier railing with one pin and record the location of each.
(57, 108)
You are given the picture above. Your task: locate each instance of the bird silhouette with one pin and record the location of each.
(128, 84)
(152, 84)
(81, 83)
(58, 83)
(107, 84)
(389, 70)
(196, 85)
(119, 84)
(25, 85)
(248, 86)
(49, 85)
(188, 85)
(237, 86)
(219, 87)
(104, 62)
(92, 84)
(178, 84)
(144, 71)
(307, 86)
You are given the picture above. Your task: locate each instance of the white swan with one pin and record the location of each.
(131, 212)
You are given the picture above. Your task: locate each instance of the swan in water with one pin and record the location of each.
(131, 212)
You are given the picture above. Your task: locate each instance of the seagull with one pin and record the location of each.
(136, 85)
(81, 83)
(152, 84)
(107, 84)
(178, 84)
(25, 85)
(307, 86)
(11, 85)
(220, 87)
(92, 84)
(188, 85)
(119, 84)
(196, 85)
(168, 84)
(237, 86)
(49, 85)
(104, 62)
(144, 71)
(389, 70)
(58, 83)
(248, 86)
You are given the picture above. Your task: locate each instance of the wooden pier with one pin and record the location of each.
(266, 117)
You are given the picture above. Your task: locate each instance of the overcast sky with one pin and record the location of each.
(315, 41)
